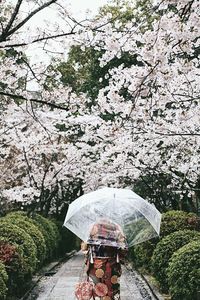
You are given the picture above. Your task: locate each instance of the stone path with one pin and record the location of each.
(60, 286)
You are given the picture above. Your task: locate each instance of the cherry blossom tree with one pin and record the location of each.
(29, 171)
(154, 103)
(143, 124)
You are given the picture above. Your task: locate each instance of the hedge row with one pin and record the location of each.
(171, 221)
(164, 257)
(26, 243)
(184, 272)
(164, 251)
(3, 281)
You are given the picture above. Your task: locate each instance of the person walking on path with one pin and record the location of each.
(109, 220)
(107, 249)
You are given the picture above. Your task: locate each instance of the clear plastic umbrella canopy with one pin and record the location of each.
(111, 216)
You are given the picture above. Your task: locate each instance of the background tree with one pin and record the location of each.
(137, 126)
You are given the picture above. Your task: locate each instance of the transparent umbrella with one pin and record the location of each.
(111, 216)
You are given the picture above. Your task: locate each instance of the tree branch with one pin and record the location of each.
(8, 32)
(53, 105)
(44, 38)
(13, 16)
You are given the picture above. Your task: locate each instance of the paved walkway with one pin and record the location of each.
(60, 286)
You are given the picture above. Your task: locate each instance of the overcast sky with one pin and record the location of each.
(83, 5)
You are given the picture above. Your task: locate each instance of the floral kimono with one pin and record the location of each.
(105, 272)
(104, 259)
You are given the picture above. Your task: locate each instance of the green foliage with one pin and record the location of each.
(46, 227)
(118, 9)
(3, 281)
(83, 73)
(42, 226)
(56, 234)
(11, 255)
(175, 220)
(184, 272)
(171, 221)
(154, 187)
(165, 249)
(68, 239)
(26, 224)
(14, 234)
(123, 11)
(48, 230)
(141, 254)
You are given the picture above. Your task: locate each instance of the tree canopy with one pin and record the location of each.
(117, 105)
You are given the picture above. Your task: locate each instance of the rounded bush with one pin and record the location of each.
(184, 272)
(26, 224)
(175, 220)
(3, 281)
(45, 227)
(141, 254)
(14, 234)
(11, 256)
(56, 232)
(48, 230)
(165, 249)
(172, 221)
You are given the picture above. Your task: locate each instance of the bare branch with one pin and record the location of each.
(39, 39)
(53, 105)
(13, 16)
(7, 33)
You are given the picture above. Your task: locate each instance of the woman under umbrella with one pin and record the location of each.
(107, 249)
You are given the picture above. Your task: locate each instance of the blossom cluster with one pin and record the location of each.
(154, 105)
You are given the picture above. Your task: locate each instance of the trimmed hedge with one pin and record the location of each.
(175, 220)
(171, 221)
(15, 234)
(23, 239)
(165, 249)
(11, 255)
(46, 227)
(184, 272)
(57, 233)
(26, 224)
(50, 233)
(3, 281)
(141, 254)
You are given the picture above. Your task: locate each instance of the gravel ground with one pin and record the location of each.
(60, 286)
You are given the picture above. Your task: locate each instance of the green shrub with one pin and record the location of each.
(165, 249)
(175, 220)
(3, 281)
(46, 225)
(43, 229)
(14, 234)
(46, 228)
(67, 238)
(56, 232)
(171, 221)
(27, 224)
(11, 256)
(141, 254)
(184, 272)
